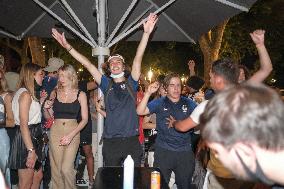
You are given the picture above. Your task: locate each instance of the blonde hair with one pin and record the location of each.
(71, 75)
(3, 83)
(27, 78)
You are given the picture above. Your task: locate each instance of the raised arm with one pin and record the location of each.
(148, 28)
(142, 108)
(60, 38)
(191, 67)
(265, 63)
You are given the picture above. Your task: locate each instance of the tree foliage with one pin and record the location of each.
(267, 15)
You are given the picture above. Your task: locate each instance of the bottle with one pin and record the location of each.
(155, 180)
(128, 173)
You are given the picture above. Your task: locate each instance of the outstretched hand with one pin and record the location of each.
(60, 38)
(258, 37)
(170, 121)
(150, 23)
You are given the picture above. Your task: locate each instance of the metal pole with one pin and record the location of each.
(131, 6)
(121, 36)
(10, 35)
(64, 23)
(234, 5)
(37, 20)
(101, 52)
(78, 21)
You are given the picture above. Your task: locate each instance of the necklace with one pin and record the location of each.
(66, 94)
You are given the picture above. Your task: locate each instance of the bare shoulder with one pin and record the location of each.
(25, 95)
(82, 95)
(8, 98)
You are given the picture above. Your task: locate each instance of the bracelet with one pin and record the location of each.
(31, 150)
(70, 48)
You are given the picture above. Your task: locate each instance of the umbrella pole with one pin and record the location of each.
(101, 52)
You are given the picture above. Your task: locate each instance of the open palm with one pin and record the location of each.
(150, 23)
(60, 38)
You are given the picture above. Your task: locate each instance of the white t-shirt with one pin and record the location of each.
(195, 115)
(12, 80)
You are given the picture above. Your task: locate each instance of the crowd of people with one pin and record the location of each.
(230, 122)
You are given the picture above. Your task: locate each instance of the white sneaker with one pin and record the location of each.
(82, 182)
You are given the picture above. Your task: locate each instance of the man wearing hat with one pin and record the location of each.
(48, 85)
(120, 135)
(50, 81)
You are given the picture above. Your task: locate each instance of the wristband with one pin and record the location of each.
(31, 150)
(70, 48)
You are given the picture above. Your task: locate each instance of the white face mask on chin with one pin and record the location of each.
(115, 76)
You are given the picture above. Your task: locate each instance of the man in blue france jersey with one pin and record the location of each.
(173, 150)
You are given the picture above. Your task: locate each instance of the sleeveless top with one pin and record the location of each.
(66, 110)
(34, 111)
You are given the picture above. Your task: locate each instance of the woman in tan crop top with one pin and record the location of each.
(67, 103)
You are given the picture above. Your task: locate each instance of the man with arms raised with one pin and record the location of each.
(121, 123)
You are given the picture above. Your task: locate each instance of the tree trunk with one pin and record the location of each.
(37, 53)
(210, 44)
(23, 52)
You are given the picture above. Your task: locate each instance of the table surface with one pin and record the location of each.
(112, 178)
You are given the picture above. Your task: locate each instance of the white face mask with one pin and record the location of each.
(117, 75)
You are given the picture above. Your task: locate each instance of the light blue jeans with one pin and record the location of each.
(4, 149)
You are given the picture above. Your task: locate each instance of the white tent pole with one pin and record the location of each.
(78, 21)
(131, 6)
(37, 20)
(136, 20)
(173, 23)
(234, 5)
(120, 37)
(101, 52)
(65, 23)
(10, 35)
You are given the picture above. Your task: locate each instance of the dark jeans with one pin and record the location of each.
(194, 141)
(115, 150)
(181, 163)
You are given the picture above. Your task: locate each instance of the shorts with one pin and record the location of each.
(86, 134)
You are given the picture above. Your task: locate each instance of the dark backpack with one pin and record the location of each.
(2, 113)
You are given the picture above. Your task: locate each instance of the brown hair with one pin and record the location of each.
(27, 79)
(168, 78)
(3, 83)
